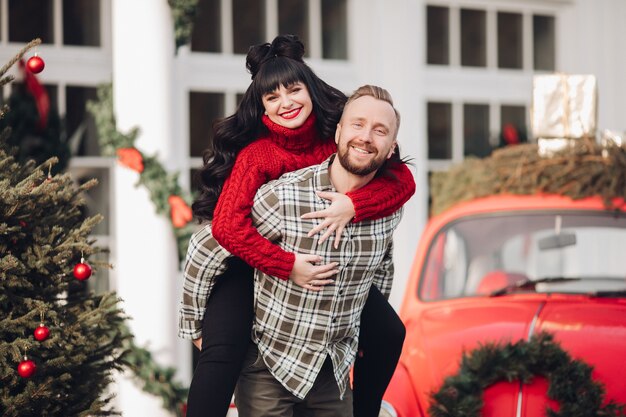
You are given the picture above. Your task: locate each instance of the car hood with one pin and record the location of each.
(593, 330)
(589, 329)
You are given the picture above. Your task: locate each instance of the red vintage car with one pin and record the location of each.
(502, 269)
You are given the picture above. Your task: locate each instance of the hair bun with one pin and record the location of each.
(288, 46)
(257, 55)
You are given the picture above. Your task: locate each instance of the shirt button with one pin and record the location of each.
(334, 319)
(340, 292)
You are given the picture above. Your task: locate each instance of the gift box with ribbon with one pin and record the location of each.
(564, 106)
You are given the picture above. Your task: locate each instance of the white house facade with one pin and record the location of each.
(458, 70)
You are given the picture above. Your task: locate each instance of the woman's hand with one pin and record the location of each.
(198, 343)
(310, 276)
(336, 217)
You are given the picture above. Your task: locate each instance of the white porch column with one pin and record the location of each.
(145, 249)
(386, 49)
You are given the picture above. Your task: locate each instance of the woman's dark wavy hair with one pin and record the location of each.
(271, 65)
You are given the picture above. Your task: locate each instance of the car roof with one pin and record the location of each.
(511, 202)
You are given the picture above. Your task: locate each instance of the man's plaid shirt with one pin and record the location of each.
(296, 329)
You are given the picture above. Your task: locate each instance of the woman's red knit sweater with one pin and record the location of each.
(267, 158)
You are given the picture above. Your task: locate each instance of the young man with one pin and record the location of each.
(304, 340)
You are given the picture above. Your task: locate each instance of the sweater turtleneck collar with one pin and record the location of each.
(300, 138)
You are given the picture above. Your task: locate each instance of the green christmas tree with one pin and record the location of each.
(59, 343)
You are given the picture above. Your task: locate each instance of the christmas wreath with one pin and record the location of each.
(569, 379)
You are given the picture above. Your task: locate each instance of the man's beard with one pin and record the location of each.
(343, 154)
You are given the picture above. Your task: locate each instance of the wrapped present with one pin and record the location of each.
(612, 138)
(564, 106)
(547, 148)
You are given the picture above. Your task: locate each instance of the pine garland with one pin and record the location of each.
(183, 12)
(154, 378)
(153, 176)
(583, 170)
(569, 379)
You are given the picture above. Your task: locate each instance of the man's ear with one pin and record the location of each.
(337, 133)
(393, 149)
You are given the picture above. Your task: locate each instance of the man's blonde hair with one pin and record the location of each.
(378, 93)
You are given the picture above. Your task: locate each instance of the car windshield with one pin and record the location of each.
(569, 252)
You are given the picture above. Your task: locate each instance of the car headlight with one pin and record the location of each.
(387, 410)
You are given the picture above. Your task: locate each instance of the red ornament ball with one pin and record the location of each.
(41, 333)
(82, 271)
(26, 368)
(35, 64)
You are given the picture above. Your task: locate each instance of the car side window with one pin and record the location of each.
(446, 269)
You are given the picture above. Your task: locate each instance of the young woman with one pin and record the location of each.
(285, 121)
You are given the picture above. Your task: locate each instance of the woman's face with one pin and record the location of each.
(288, 106)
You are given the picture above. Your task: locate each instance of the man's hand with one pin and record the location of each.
(336, 217)
(310, 276)
(198, 343)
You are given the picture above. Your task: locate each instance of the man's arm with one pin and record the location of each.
(383, 276)
(266, 213)
(205, 261)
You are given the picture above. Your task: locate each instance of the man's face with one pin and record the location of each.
(365, 135)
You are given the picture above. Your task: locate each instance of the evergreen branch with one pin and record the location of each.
(582, 170)
(183, 13)
(6, 80)
(19, 55)
(154, 378)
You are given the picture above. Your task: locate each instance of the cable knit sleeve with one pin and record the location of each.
(384, 194)
(232, 225)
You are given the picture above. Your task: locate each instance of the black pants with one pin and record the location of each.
(226, 336)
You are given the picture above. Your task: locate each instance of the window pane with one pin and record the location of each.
(509, 40)
(439, 131)
(293, 18)
(100, 283)
(195, 181)
(206, 34)
(97, 198)
(543, 43)
(29, 19)
(53, 96)
(473, 38)
(34, 140)
(52, 90)
(81, 128)
(81, 22)
(238, 98)
(248, 24)
(334, 29)
(476, 130)
(438, 42)
(204, 109)
(512, 125)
